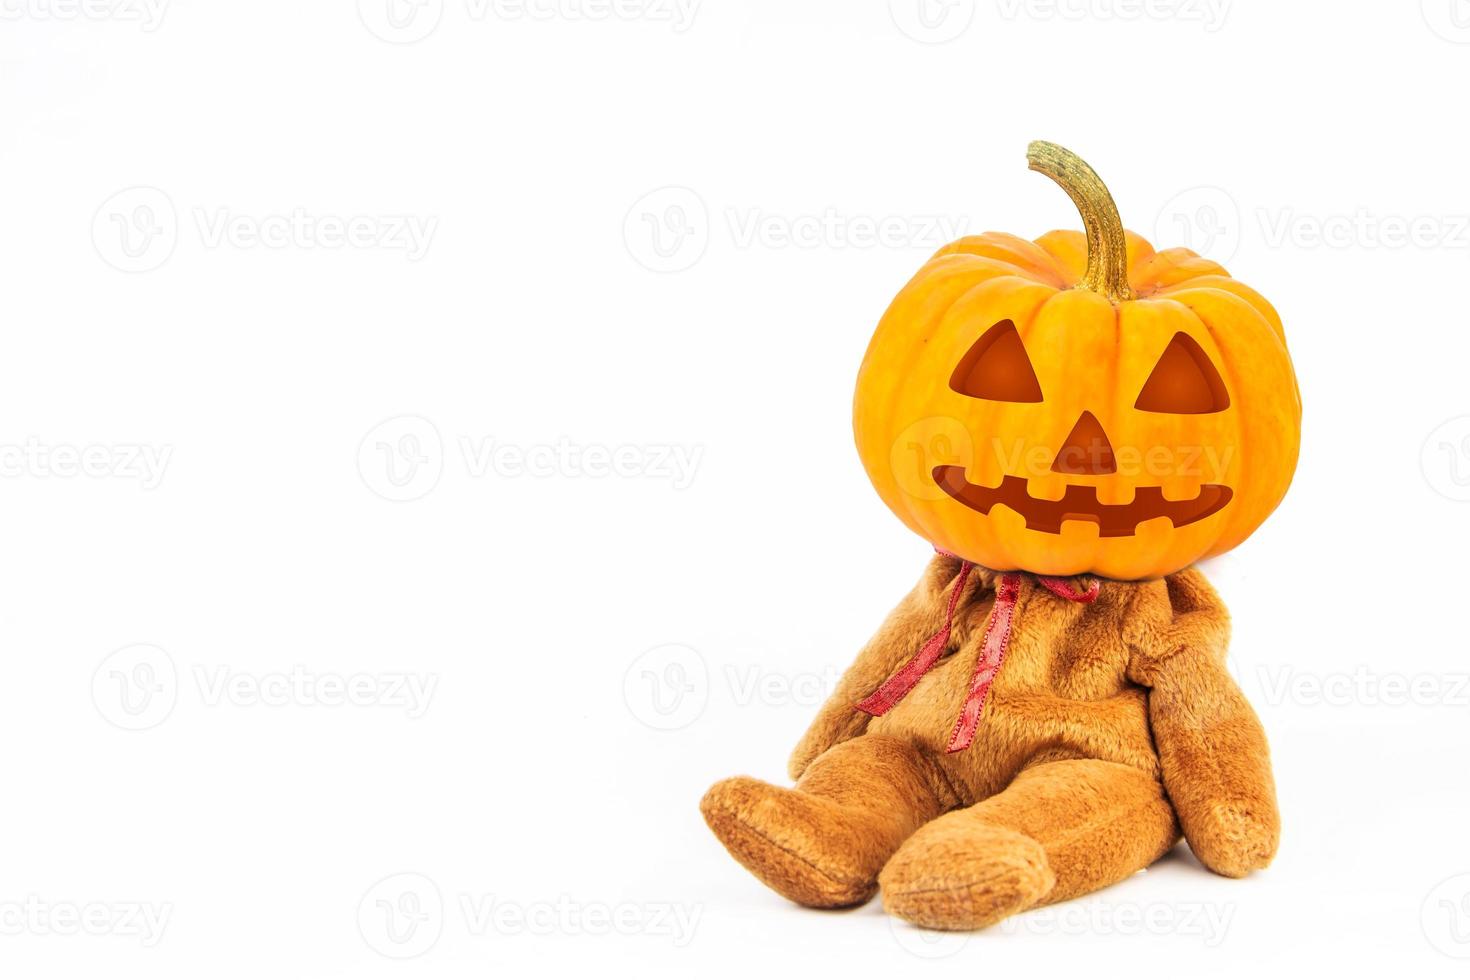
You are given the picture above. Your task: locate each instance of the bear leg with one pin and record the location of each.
(822, 843)
(1059, 830)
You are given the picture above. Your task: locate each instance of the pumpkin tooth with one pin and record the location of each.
(1180, 489)
(1115, 492)
(1051, 486)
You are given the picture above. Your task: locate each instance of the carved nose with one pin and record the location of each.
(1087, 451)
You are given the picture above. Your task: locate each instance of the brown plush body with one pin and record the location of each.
(1110, 726)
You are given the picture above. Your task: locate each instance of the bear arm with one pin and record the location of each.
(1212, 750)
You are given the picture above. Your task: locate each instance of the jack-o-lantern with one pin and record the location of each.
(1078, 404)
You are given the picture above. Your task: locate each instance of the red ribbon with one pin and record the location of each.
(992, 651)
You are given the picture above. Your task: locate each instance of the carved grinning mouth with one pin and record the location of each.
(1080, 503)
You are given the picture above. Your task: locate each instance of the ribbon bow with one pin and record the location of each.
(992, 651)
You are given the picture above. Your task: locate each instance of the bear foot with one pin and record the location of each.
(807, 848)
(959, 875)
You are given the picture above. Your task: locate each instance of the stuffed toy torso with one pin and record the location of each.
(1063, 691)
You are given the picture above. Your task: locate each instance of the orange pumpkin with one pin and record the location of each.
(1080, 403)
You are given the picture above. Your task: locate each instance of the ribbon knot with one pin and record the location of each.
(992, 651)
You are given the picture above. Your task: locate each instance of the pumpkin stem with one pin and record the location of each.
(1107, 250)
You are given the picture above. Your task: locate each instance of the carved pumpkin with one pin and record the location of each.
(1081, 403)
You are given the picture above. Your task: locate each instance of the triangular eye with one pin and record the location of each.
(1184, 382)
(997, 367)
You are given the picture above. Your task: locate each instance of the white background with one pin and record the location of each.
(250, 462)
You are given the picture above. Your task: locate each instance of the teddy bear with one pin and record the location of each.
(1072, 423)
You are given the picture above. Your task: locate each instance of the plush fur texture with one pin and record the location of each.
(1110, 727)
